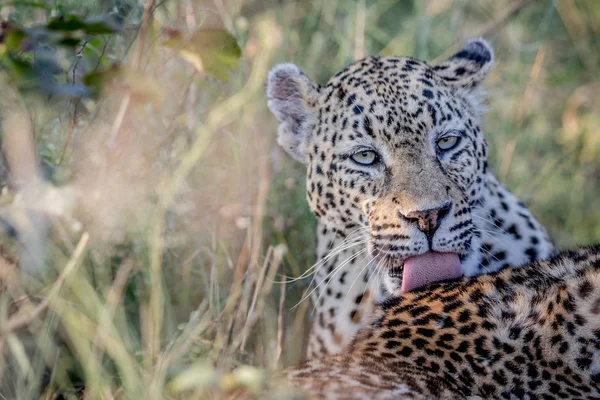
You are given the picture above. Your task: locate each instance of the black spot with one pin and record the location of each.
(434, 367)
(488, 390)
(359, 298)
(499, 377)
(406, 351)
(514, 231)
(418, 311)
(351, 100)
(387, 335)
(532, 253)
(420, 343)
(463, 346)
(514, 332)
(428, 93)
(425, 332)
(583, 362)
(464, 316)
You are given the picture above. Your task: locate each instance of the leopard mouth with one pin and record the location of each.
(394, 266)
(388, 263)
(417, 271)
(396, 271)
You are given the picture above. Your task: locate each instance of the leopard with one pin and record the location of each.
(398, 178)
(517, 333)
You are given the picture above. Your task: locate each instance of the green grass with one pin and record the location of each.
(187, 225)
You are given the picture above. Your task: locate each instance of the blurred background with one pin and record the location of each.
(149, 218)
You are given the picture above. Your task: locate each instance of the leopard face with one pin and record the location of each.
(393, 148)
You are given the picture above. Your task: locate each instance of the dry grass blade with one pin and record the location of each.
(280, 324)
(24, 318)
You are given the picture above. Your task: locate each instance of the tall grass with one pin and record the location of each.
(150, 260)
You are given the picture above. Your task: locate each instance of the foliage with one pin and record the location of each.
(33, 56)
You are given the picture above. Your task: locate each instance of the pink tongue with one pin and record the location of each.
(429, 267)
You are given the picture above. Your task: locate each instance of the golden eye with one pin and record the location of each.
(448, 142)
(364, 157)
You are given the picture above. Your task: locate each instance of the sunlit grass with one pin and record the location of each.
(162, 269)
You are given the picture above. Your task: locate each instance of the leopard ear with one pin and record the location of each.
(469, 67)
(292, 98)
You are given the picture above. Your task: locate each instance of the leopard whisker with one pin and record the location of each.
(333, 272)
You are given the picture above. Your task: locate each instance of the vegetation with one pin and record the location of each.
(149, 220)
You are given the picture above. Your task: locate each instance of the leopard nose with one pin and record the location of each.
(428, 220)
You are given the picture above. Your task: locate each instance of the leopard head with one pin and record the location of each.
(393, 149)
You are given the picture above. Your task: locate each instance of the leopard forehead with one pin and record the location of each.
(398, 101)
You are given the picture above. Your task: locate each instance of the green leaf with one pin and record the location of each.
(69, 41)
(211, 51)
(13, 39)
(67, 23)
(19, 68)
(105, 24)
(97, 80)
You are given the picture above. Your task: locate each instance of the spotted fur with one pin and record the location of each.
(415, 198)
(520, 333)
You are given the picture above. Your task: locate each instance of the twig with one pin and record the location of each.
(101, 56)
(72, 124)
(76, 102)
(19, 321)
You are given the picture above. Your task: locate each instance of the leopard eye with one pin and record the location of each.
(364, 157)
(447, 143)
